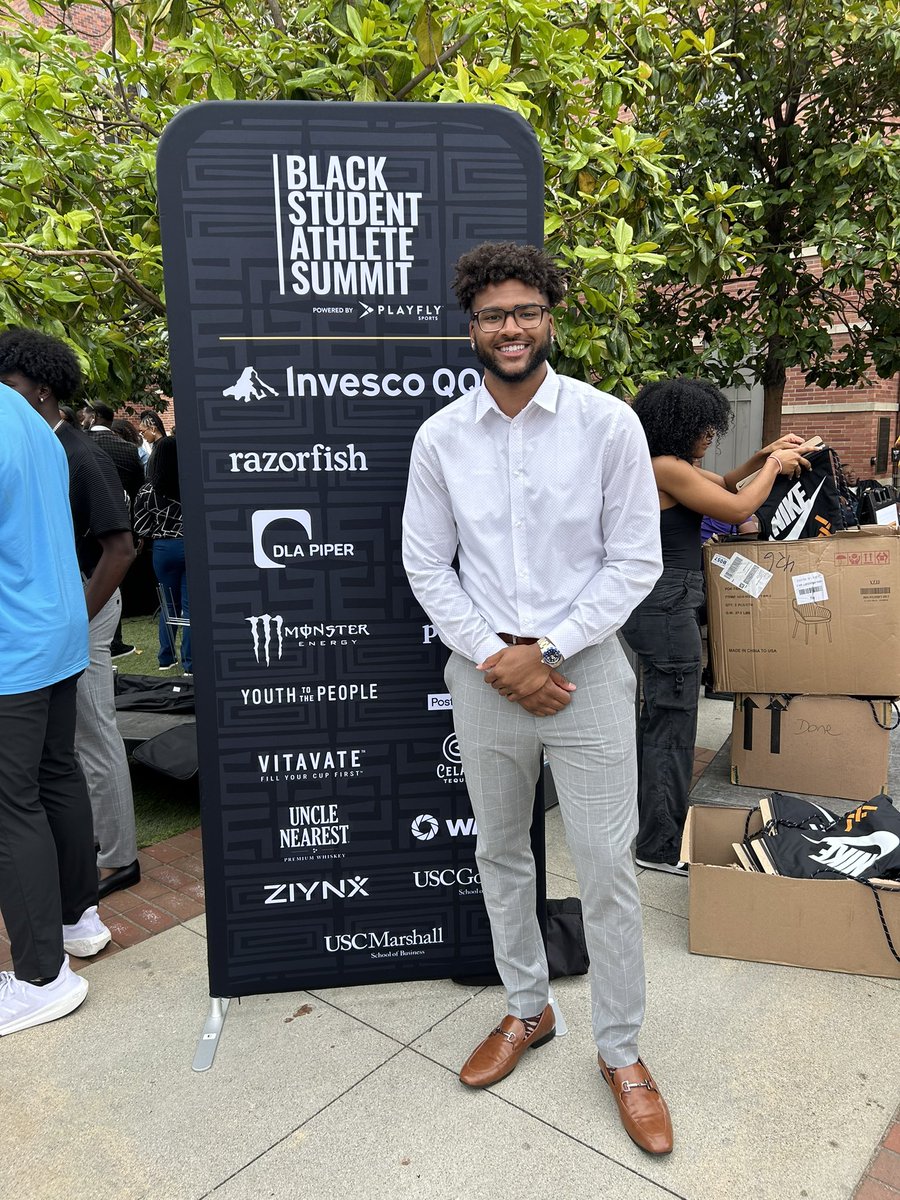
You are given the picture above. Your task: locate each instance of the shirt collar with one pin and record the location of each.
(545, 397)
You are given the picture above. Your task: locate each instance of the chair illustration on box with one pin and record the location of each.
(811, 616)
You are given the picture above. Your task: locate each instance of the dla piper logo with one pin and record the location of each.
(269, 634)
(318, 890)
(286, 549)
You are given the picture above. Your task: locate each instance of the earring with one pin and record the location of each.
(472, 343)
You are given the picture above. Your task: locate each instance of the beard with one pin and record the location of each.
(492, 361)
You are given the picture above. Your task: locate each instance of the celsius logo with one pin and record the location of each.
(260, 522)
(264, 518)
(249, 386)
(424, 827)
(439, 701)
(319, 889)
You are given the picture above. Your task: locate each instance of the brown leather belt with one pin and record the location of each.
(513, 639)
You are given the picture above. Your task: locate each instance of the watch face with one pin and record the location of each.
(550, 656)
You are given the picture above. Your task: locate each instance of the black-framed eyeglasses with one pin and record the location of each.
(526, 316)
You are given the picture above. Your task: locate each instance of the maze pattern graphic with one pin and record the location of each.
(313, 662)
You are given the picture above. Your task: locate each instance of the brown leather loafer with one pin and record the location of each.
(501, 1050)
(642, 1109)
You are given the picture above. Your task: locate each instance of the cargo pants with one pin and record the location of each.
(664, 633)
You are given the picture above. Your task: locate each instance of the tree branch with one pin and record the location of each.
(438, 62)
(111, 260)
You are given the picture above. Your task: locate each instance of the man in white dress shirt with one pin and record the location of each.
(543, 487)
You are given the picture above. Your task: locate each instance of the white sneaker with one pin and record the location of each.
(679, 868)
(23, 1005)
(87, 937)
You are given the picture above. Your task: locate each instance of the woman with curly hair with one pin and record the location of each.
(157, 515)
(681, 417)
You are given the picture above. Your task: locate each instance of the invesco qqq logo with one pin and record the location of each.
(424, 827)
(261, 521)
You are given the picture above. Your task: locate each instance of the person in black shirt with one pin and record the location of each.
(45, 372)
(128, 464)
(124, 454)
(681, 417)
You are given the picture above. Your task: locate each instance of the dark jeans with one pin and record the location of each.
(48, 867)
(664, 633)
(168, 563)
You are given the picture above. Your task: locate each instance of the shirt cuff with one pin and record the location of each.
(568, 639)
(490, 645)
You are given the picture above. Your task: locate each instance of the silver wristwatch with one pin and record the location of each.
(550, 655)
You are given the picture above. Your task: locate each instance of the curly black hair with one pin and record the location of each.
(495, 262)
(676, 413)
(43, 359)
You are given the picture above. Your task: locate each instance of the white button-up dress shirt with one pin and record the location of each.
(554, 515)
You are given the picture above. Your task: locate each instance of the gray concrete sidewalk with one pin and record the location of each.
(780, 1081)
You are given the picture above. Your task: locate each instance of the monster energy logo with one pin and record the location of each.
(264, 625)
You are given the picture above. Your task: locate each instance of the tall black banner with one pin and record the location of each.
(308, 250)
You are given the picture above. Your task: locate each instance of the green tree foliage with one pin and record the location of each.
(805, 126)
(600, 83)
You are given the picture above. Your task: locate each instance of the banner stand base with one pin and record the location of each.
(561, 1027)
(209, 1039)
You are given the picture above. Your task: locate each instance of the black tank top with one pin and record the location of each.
(680, 531)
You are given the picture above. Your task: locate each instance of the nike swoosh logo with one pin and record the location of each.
(797, 528)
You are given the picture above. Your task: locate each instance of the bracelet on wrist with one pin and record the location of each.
(776, 460)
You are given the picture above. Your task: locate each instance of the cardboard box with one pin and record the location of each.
(823, 924)
(819, 616)
(817, 745)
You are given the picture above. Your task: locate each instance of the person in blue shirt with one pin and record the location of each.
(48, 875)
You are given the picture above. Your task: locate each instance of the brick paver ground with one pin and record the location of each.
(171, 891)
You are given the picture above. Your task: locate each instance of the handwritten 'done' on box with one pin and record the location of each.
(826, 623)
(814, 745)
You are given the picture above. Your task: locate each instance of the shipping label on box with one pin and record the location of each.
(818, 616)
(814, 745)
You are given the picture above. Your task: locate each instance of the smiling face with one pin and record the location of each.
(511, 354)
